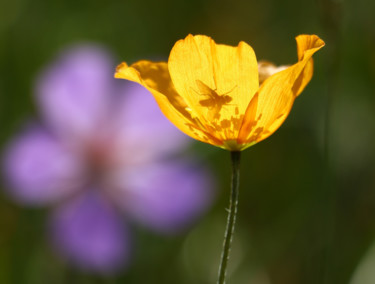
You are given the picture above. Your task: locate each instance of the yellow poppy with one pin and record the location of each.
(220, 94)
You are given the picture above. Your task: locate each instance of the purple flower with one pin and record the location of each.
(103, 149)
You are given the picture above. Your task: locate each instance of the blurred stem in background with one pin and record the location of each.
(331, 20)
(232, 213)
(331, 15)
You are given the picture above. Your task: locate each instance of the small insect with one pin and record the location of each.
(214, 102)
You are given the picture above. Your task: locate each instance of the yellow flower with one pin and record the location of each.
(219, 94)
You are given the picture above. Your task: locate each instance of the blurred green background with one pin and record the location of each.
(307, 194)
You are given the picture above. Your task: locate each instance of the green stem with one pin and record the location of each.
(232, 213)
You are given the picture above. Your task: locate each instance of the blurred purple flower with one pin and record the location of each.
(104, 148)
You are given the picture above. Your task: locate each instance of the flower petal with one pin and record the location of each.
(155, 77)
(89, 233)
(217, 81)
(73, 92)
(139, 126)
(39, 169)
(278, 92)
(267, 69)
(165, 197)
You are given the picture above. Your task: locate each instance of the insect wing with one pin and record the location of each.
(204, 89)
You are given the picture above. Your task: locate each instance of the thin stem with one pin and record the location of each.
(232, 213)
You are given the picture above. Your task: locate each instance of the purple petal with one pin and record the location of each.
(73, 92)
(89, 233)
(166, 197)
(140, 126)
(39, 169)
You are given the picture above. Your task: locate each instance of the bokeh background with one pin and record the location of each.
(307, 194)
